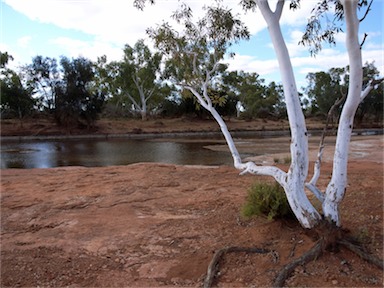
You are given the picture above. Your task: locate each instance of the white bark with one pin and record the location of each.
(142, 106)
(293, 181)
(298, 171)
(336, 187)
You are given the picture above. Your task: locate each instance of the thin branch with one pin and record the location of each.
(367, 11)
(133, 101)
(317, 165)
(311, 185)
(214, 68)
(206, 96)
(362, 43)
(150, 93)
(194, 63)
(316, 191)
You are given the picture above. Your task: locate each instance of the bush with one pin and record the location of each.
(267, 199)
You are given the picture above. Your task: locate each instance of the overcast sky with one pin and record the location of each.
(92, 28)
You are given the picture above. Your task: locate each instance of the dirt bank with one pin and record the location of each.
(153, 225)
(48, 127)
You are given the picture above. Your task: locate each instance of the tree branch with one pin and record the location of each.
(265, 9)
(315, 191)
(194, 63)
(250, 167)
(317, 166)
(150, 93)
(214, 68)
(279, 8)
(367, 11)
(371, 85)
(133, 101)
(198, 96)
(362, 43)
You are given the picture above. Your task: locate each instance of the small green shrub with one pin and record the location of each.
(267, 199)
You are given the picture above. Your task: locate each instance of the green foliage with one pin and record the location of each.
(42, 77)
(136, 80)
(4, 59)
(321, 28)
(371, 108)
(257, 99)
(194, 55)
(267, 199)
(77, 103)
(16, 101)
(324, 88)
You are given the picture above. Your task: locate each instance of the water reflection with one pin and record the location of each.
(95, 152)
(119, 151)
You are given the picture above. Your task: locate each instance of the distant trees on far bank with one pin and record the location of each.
(76, 92)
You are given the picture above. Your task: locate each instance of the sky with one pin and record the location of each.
(92, 28)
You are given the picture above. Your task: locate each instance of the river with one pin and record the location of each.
(97, 152)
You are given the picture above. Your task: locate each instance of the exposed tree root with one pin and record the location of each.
(329, 238)
(364, 255)
(286, 271)
(316, 252)
(214, 265)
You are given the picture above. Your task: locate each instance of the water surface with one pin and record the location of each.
(97, 152)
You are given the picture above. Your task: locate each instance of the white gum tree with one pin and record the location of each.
(139, 71)
(193, 62)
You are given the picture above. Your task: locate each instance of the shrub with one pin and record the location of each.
(267, 199)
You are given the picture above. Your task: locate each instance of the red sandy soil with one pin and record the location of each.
(151, 224)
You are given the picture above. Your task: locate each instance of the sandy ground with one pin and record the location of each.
(150, 225)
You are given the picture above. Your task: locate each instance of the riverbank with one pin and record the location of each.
(139, 128)
(45, 129)
(158, 225)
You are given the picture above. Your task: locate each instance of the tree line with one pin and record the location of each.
(77, 91)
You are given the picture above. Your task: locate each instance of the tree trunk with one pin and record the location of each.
(293, 181)
(336, 187)
(143, 109)
(298, 171)
(143, 115)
